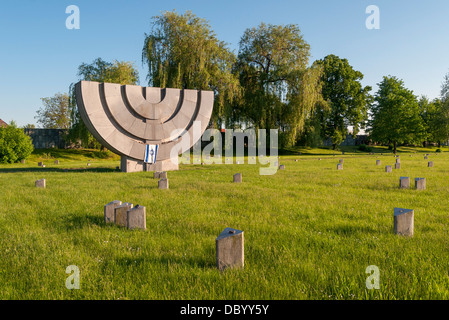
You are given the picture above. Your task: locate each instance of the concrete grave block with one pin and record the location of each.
(109, 211)
(156, 175)
(40, 183)
(398, 160)
(420, 183)
(430, 164)
(43, 166)
(88, 164)
(238, 178)
(388, 169)
(378, 162)
(56, 161)
(339, 166)
(136, 218)
(40, 164)
(163, 175)
(342, 161)
(403, 222)
(426, 157)
(282, 167)
(230, 251)
(397, 165)
(163, 184)
(404, 182)
(22, 161)
(121, 214)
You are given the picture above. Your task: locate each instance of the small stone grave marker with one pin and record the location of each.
(163, 184)
(40, 183)
(238, 178)
(136, 218)
(121, 214)
(420, 183)
(163, 175)
(109, 211)
(403, 222)
(230, 252)
(404, 182)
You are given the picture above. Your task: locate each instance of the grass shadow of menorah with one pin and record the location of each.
(63, 170)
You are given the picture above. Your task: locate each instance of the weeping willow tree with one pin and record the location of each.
(100, 71)
(280, 91)
(183, 52)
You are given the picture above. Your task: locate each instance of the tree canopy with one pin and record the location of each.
(279, 90)
(15, 145)
(183, 52)
(348, 101)
(55, 113)
(396, 114)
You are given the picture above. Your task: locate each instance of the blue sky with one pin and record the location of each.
(39, 56)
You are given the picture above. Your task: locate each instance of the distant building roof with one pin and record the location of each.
(3, 123)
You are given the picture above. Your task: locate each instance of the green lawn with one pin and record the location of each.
(310, 231)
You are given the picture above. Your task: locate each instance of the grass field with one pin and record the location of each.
(310, 231)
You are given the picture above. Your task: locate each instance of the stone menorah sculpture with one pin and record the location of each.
(148, 127)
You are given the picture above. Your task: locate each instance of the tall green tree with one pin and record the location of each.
(445, 88)
(347, 99)
(55, 113)
(396, 114)
(100, 71)
(182, 51)
(15, 145)
(431, 114)
(439, 127)
(279, 89)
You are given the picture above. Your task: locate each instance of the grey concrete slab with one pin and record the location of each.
(121, 214)
(136, 218)
(420, 183)
(404, 182)
(230, 249)
(109, 211)
(40, 183)
(403, 222)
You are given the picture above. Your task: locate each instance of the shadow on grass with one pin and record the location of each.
(80, 222)
(64, 170)
(349, 230)
(169, 261)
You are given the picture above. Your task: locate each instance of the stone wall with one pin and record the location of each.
(349, 141)
(47, 138)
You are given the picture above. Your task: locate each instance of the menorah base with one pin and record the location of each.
(133, 165)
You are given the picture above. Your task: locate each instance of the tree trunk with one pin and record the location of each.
(424, 144)
(439, 144)
(394, 147)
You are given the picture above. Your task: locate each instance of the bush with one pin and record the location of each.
(438, 150)
(365, 148)
(15, 145)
